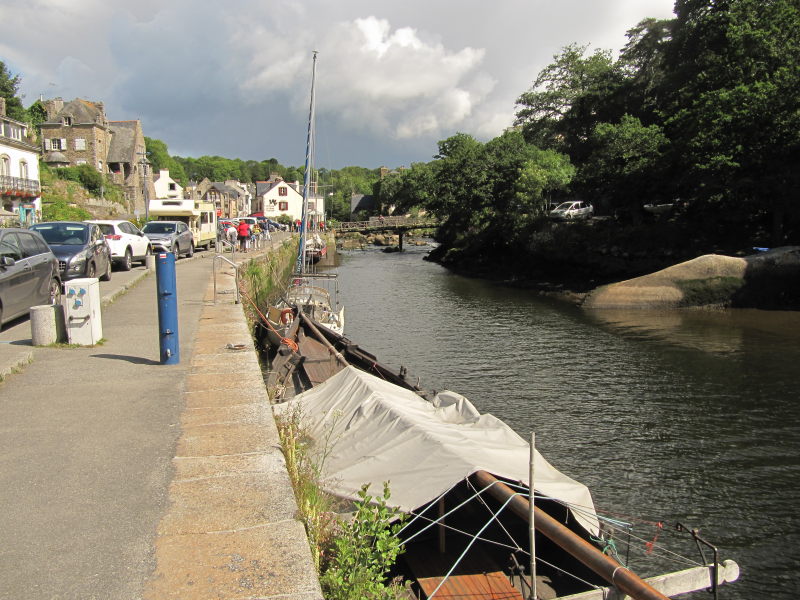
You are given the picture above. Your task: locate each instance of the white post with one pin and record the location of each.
(532, 532)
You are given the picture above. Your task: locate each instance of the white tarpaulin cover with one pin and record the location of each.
(378, 432)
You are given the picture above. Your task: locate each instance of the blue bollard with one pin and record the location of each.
(167, 291)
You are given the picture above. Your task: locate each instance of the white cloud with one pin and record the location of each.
(373, 77)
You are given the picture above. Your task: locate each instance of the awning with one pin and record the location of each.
(378, 432)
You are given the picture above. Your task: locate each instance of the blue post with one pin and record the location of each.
(167, 291)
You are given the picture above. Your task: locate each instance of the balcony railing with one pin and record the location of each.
(17, 186)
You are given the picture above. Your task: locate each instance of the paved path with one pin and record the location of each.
(121, 478)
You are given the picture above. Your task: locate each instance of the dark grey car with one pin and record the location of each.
(170, 236)
(28, 273)
(81, 248)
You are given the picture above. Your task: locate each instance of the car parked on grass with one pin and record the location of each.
(170, 236)
(28, 273)
(80, 247)
(127, 242)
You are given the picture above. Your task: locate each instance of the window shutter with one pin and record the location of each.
(63, 143)
(47, 144)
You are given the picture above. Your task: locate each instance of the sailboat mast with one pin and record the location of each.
(300, 266)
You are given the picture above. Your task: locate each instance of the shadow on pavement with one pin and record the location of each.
(137, 360)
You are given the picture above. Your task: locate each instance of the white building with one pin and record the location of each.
(20, 191)
(276, 198)
(166, 187)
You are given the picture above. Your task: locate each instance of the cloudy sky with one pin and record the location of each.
(232, 78)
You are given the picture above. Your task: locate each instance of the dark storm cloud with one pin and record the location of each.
(232, 78)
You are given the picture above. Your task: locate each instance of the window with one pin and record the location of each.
(55, 144)
(9, 246)
(283, 191)
(172, 187)
(311, 205)
(68, 121)
(29, 245)
(80, 161)
(5, 165)
(23, 169)
(283, 206)
(80, 144)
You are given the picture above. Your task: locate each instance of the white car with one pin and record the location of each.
(127, 242)
(575, 209)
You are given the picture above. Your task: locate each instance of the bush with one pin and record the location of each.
(61, 211)
(364, 550)
(86, 175)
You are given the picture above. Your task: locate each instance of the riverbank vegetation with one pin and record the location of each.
(699, 113)
(353, 554)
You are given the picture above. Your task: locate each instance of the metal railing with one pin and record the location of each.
(235, 271)
(19, 186)
(387, 223)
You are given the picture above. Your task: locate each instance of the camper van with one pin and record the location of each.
(201, 217)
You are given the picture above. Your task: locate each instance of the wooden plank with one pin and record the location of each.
(669, 584)
(476, 577)
(319, 364)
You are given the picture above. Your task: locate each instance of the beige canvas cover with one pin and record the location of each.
(374, 431)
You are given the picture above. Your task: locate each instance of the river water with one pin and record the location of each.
(689, 417)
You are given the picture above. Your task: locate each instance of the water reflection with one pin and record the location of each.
(713, 331)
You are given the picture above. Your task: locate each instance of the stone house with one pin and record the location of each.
(78, 132)
(20, 190)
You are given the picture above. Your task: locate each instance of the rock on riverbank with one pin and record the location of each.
(765, 280)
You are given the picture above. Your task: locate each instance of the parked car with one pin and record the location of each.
(81, 249)
(28, 273)
(127, 242)
(575, 209)
(170, 236)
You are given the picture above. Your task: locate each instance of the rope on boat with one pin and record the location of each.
(284, 340)
(471, 542)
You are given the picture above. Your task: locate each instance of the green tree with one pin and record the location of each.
(733, 111)
(567, 98)
(9, 88)
(623, 170)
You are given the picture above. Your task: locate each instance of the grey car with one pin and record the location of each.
(28, 273)
(170, 236)
(81, 248)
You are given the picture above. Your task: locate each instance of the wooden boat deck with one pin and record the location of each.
(476, 577)
(319, 364)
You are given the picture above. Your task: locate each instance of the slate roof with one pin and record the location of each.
(81, 111)
(225, 189)
(123, 142)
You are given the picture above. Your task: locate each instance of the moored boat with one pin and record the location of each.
(462, 478)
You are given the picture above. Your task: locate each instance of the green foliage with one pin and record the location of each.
(364, 550)
(89, 177)
(9, 88)
(624, 167)
(61, 210)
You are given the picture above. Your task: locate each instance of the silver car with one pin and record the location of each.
(170, 236)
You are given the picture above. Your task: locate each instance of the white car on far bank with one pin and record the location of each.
(127, 242)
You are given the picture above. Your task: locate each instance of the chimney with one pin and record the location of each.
(53, 107)
(2, 107)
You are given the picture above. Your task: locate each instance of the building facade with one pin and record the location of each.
(78, 132)
(20, 190)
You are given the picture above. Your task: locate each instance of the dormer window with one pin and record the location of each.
(68, 121)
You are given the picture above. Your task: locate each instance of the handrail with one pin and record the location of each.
(236, 275)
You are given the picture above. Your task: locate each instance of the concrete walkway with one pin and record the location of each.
(123, 478)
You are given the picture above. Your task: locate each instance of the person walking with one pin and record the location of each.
(244, 235)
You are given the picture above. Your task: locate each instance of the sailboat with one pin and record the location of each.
(307, 294)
